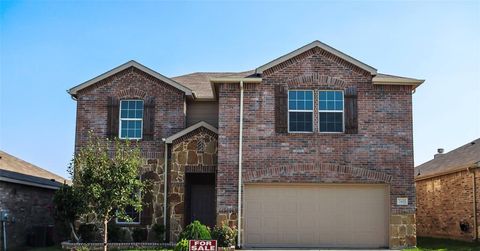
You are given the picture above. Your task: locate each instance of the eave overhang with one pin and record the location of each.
(73, 91)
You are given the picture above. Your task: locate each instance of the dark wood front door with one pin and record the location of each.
(201, 198)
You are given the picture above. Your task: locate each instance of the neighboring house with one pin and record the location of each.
(26, 193)
(322, 141)
(448, 194)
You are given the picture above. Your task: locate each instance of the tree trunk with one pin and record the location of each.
(105, 234)
(73, 232)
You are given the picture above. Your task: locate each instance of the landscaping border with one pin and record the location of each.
(120, 245)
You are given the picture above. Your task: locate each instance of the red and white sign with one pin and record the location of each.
(200, 245)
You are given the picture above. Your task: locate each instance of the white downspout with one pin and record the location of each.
(165, 170)
(240, 140)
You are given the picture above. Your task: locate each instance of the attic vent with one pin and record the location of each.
(200, 146)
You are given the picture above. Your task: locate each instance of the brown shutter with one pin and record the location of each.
(148, 118)
(112, 117)
(146, 215)
(281, 109)
(351, 112)
(147, 209)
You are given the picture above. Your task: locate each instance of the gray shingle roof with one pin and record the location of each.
(14, 168)
(455, 160)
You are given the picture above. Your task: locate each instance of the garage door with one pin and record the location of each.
(316, 216)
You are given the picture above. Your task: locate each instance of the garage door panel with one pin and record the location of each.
(316, 215)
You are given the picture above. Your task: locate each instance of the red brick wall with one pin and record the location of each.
(131, 83)
(443, 202)
(381, 152)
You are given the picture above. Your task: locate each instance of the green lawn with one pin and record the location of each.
(430, 244)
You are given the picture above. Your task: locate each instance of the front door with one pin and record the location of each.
(201, 198)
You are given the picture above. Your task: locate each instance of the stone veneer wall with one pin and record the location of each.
(403, 230)
(195, 152)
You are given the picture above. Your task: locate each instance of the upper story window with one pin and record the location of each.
(331, 109)
(131, 119)
(300, 111)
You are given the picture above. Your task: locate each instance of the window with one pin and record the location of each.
(300, 111)
(133, 214)
(330, 111)
(131, 119)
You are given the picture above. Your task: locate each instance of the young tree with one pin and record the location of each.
(107, 176)
(69, 206)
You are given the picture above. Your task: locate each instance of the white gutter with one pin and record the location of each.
(240, 140)
(165, 190)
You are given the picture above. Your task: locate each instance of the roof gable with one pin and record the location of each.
(322, 46)
(191, 129)
(73, 91)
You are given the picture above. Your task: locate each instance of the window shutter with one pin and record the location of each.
(351, 111)
(148, 118)
(147, 209)
(112, 117)
(281, 109)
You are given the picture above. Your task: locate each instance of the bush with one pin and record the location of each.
(139, 234)
(182, 245)
(116, 233)
(195, 231)
(225, 235)
(82, 248)
(88, 232)
(159, 231)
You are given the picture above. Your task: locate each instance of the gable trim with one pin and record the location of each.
(73, 91)
(322, 46)
(192, 128)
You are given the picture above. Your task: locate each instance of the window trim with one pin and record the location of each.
(130, 119)
(132, 222)
(312, 111)
(337, 111)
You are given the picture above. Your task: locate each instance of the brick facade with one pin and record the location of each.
(444, 202)
(31, 207)
(169, 102)
(381, 152)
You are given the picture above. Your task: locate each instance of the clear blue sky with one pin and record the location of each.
(48, 47)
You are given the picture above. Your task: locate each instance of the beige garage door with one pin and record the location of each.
(316, 216)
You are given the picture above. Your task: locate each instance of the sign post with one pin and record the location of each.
(202, 245)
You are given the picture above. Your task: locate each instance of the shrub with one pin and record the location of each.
(195, 231)
(182, 245)
(139, 234)
(159, 231)
(82, 248)
(225, 235)
(116, 233)
(88, 232)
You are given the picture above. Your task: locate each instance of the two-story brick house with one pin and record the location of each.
(313, 149)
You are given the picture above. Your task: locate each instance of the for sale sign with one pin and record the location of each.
(200, 245)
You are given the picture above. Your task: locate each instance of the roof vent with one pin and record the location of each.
(439, 152)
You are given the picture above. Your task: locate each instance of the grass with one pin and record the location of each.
(431, 244)
(52, 248)
(58, 248)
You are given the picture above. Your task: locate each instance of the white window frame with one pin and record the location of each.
(130, 119)
(342, 111)
(312, 111)
(131, 222)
